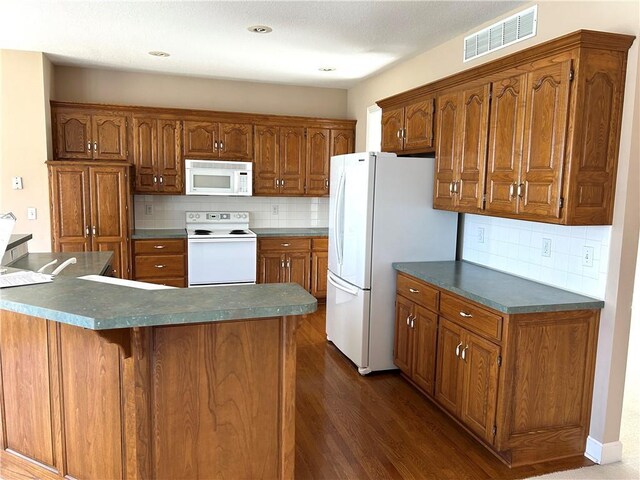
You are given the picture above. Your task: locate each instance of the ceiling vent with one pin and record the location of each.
(499, 35)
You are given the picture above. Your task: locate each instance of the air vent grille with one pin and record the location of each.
(499, 35)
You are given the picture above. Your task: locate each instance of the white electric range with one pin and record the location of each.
(221, 249)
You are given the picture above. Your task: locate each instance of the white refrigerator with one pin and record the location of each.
(380, 212)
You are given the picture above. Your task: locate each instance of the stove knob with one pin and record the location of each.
(191, 215)
(197, 215)
(244, 215)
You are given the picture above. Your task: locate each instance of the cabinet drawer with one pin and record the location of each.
(417, 291)
(160, 266)
(179, 282)
(475, 318)
(284, 243)
(320, 244)
(161, 246)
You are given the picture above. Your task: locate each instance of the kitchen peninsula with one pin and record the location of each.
(101, 380)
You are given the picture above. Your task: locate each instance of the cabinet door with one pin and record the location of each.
(292, 160)
(109, 136)
(425, 331)
(200, 140)
(271, 267)
(505, 143)
(73, 135)
(545, 129)
(298, 268)
(403, 340)
(145, 154)
(480, 391)
(266, 164)
(319, 266)
(109, 214)
(418, 124)
(447, 113)
(391, 130)
(342, 141)
(236, 141)
(170, 164)
(474, 132)
(69, 190)
(318, 161)
(449, 366)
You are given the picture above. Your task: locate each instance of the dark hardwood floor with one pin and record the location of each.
(379, 427)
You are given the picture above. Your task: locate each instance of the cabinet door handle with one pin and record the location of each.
(161, 180)
(512, 190)
(282, 182)
(221, 145)
(455, 188)
(215, 145)
(288, 263)
(95, 146)
(94, 230)
(282, 263)
(277, 182)
(464, 353)
(326, 184)
(465, 314)
(520, 190)
(412, 322)
(86, 231)
(155, 179)
(450, 188)
(399, 133)
(160, 266)
(408, 320)
(413, 290)
(158, 246)
(285, 244)
(89, 146)
(458, 349)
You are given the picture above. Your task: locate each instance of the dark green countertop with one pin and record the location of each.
(291, 232)
(102, 306)
(151, 233)
(500, 291)
(88, 263)
(18, 239)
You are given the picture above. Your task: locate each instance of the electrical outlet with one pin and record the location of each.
(546, 247)
(148, 209)
(275, 209)
(32, 213)
(587, 256)
(480, 234)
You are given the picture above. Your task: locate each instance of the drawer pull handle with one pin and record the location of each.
(466, 315)
(285, 244)
(158, 246)
(159, 266)
(458, 349)
(413, 290)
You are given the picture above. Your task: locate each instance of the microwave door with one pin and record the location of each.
(206, 181)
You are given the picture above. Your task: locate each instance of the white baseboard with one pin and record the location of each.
(603, 453)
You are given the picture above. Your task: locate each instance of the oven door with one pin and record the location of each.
(216, 261)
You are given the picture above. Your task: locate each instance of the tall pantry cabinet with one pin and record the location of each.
(90, 209)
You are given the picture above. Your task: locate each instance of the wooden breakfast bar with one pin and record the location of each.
(104, 381)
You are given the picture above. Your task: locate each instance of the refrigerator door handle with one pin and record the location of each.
(339, 219)
(340, 286)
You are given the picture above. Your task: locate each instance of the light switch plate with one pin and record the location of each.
(16, 183)
(32, 213)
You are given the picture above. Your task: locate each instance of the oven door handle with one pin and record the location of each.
(222, 240)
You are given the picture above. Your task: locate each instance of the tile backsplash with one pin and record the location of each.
(266, 212)
(551, 254)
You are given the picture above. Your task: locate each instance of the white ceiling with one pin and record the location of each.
(210, 38)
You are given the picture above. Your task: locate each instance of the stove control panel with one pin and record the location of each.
(217, 217)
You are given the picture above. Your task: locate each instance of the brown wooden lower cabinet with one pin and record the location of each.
(520, 383)
(302, 260)
(149, 402)
(161, 260)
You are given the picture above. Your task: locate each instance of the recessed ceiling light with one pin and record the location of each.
(260, 29)
(157, 53)
(327, 69)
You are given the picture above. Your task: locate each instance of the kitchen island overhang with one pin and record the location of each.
(99, 381)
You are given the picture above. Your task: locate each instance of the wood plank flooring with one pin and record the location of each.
(379, 427)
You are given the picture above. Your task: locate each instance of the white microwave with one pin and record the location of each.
(214, 177)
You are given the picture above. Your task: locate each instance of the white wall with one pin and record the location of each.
(292, 212)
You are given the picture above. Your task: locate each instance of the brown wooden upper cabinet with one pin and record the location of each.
(83, 134)
(280, 161)
(157, 156)
(533, 136)
(322, 144)
(217, 140)
(408, 128)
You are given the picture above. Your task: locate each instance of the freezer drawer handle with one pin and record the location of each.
(344, 288)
